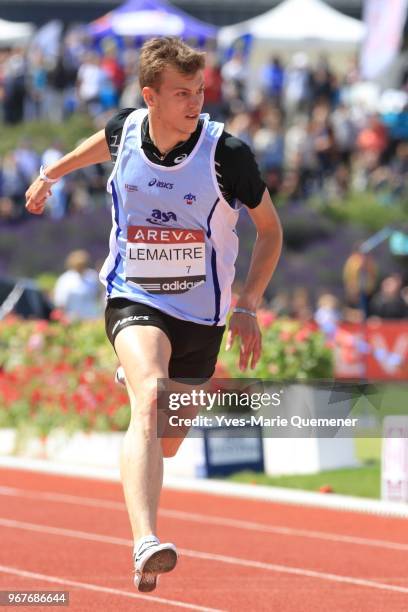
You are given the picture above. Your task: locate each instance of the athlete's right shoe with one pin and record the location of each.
(154, 559)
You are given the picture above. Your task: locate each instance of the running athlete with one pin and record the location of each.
(178, 183)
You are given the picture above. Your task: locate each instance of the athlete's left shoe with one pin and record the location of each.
(154, 559)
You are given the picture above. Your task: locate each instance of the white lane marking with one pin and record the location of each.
(69, 533)
(195, 554)
(281, 495)
(287, 531)
(63, 497)
(300, 572)
(224, 488)
(213, 520)
(101, 589)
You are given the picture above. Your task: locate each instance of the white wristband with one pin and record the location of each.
(45, 178)
(251, 313)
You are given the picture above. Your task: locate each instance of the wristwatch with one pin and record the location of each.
(246, 311)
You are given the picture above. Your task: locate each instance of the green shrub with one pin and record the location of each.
(291, 351)
(60, 374)
(365, 209)
(43, 133)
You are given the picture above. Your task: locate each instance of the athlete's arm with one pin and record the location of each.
(94, 150)
(265, 256)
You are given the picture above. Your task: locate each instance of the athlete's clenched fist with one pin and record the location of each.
(36, 196)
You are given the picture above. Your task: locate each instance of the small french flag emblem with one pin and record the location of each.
(189, 198)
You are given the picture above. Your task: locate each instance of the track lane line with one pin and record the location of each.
(83, 535)
(95, 587)
(211, 520)
(213, 487)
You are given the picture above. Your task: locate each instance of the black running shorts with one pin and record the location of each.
(195, 347)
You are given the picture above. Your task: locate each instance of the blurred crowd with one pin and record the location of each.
(315, 133)
(387, 300)
(365, 295)
(318, 134)
(82, 189)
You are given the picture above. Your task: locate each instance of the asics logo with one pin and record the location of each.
(161, 184)
(127, 319)
(180, 158)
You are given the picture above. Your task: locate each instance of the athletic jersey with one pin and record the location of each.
(235, 165)
(173, 243)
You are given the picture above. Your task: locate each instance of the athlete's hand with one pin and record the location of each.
(36, 196)
(246, 328)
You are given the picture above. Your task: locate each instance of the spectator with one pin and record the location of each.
(280, 304)
(14, 90)
(36, 86)
(235, 71)
(301, 308)
(243, 126)
(323, 144)
(269, 146)
(213, 88)
(360, 279)
(345, 132)
(112, 68)
(27, 160)
(13, 187)
(327, 314)
(61, 79)
(297, 85)
(272, 79)
(373, 138)
(322, 84)
(388, 302)
(77, 291)
(89, 82)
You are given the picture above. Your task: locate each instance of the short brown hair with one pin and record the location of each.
(158, 53)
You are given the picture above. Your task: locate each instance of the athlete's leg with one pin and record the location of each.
(144, 353)
(166, 433)
(173, 436)
(156, 481)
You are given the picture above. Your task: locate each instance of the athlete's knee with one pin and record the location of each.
(144, 406)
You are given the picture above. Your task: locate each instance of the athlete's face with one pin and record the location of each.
(178, 101)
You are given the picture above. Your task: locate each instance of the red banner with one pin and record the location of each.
(374, 350)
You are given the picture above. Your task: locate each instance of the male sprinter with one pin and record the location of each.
(177, 185)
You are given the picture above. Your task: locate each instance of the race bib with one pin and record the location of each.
(165, 260)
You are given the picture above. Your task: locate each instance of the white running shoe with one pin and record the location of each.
(153, 559)
(120, 376)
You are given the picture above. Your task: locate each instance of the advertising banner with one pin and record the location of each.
(385, 21)
(375, 350)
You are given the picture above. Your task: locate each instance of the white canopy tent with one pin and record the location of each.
(13, 33)
(310, 26)
(300, 24)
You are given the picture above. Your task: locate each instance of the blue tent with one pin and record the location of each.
(143, 19)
